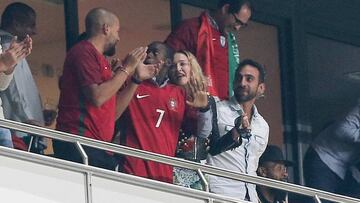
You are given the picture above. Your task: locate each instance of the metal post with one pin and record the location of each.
(30, 143)
(87, 174)
(204, 183)
(82, 153)
(317, 199)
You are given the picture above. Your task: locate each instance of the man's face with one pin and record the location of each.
(113, 39)
(276, 171)
(246, 84)
(28, 27)
(235, 21)
(156, 53)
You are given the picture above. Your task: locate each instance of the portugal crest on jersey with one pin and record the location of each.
(173, 105)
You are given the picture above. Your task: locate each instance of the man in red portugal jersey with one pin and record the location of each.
(88, 88)
(154, 116)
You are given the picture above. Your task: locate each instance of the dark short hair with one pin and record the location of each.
(258, 66)
(235, 5)
(16, 12)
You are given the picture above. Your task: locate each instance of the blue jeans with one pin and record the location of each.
(5, 138)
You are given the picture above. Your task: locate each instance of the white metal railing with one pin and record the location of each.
(314, 193)
(111, 175)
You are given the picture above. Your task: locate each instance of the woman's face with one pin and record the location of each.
(180, 72)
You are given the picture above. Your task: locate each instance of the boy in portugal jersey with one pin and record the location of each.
(153, 116)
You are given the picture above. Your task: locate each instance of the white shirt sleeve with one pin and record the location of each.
(5, 80)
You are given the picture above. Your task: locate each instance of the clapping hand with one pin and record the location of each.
(147, 71)
(135, 57)
(115, 64)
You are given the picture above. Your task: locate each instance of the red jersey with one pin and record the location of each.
(154, 118)
(85, 66)
(185, 37)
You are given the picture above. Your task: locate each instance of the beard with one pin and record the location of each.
(241, 97)
(111, 50)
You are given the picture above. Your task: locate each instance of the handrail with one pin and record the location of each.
(177, 162)
(112, 175)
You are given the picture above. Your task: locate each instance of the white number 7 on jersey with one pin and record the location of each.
(162, 112)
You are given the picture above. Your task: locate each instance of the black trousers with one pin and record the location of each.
(98, 158)
(318, 175)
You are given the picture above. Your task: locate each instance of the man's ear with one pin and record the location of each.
(261, 90)
(261, 171)
(106, 29)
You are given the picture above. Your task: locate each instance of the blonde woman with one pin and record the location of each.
(195, 140)
(186, 72)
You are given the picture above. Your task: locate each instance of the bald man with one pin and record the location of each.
(88, 87)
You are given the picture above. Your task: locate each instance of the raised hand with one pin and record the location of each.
(198, 95)
(242, 126)
(147, 71)
(16, 52)
(115, 64)
(27, 46)
(134, 58)
(245, 121)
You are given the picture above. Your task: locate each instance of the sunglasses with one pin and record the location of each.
(239, 22)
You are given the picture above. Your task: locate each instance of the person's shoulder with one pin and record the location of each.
(262, 120)
(259, 117)
(82, 45)
(190, 23)
(223, 105)
(82, 48)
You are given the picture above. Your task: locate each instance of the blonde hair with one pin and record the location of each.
(195, 69)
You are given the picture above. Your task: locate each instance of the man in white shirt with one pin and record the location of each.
(8, 60)
(248, 85)
(21, 100)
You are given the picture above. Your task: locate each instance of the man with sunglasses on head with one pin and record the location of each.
(210, 39)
